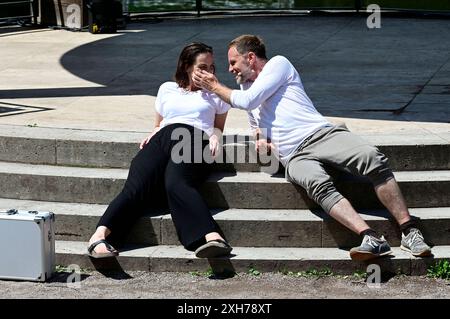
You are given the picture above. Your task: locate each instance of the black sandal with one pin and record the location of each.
(112, 251)
(213, 248)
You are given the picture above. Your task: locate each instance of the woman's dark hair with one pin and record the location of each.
(187, 59)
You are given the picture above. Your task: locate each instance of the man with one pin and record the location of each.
(285, 120)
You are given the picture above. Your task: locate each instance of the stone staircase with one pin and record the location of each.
(271, 224)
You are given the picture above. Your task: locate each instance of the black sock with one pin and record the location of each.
(370, 232)
(406, 227)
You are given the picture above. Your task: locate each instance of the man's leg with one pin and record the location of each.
(373, 245)
(344, 213)
(347, 151)
(311, 175)
(392, 198)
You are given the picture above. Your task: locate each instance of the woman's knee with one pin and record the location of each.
(174, 186)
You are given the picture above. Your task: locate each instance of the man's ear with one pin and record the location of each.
(251, 57)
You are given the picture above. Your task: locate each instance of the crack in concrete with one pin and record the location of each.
(403, 108)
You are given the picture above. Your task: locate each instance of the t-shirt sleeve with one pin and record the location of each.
(222, 107)
(274, 74)
(160, 98)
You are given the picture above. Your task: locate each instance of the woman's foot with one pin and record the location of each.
(112, 252)
(98, 246)
(215, 246)
(213, 236)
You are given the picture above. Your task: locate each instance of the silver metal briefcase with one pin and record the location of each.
(27, 245)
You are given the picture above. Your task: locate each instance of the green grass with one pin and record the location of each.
(440, 269)
(253, 271)
(360, 274)
(310, 273)
(207, 273)
(61, 269)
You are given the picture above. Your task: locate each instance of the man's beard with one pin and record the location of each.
(243, 76)
(239, 79)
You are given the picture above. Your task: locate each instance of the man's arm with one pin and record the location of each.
(209, 82)
(273, 76)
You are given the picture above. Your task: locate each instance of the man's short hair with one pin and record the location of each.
(249, 43)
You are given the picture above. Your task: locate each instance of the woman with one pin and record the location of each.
(156, 172)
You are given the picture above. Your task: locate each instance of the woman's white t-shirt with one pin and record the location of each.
(195, 108)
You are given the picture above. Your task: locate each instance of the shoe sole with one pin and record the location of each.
(424, 253)
(101, 256)
(363, 256)
(212, 252)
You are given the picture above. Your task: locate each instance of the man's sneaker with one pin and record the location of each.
(371, 247)
(415, 244)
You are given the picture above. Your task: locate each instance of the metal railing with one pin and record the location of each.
(17, 9)
(24, 9)
(205, 6)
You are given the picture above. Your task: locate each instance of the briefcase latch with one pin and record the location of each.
(12, 212)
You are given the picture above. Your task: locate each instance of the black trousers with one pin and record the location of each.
(156, 180)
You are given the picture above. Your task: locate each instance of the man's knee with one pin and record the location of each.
(372, 156)
(370, 159)
(377, 165)
(319, 187)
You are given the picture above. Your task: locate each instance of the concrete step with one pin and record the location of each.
(268, 228)
(116, 149)
(176, 258)
(222, 190)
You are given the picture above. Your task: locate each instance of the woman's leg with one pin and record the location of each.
(190, 213)
(143, 188)
(185, 173)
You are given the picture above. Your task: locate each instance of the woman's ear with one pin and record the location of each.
(188, 69)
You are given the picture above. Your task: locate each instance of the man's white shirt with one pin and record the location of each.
(278, 104)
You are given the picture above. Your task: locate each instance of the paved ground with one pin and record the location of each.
(393, 80)
(191, 286)
(361, 76)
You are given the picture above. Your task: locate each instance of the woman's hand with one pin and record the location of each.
(147, 139)
(214, 145)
